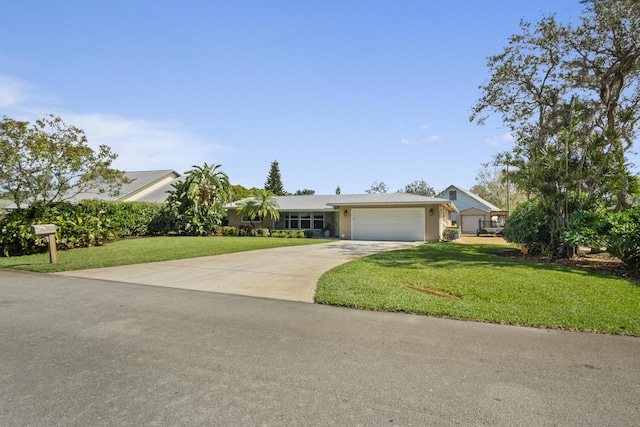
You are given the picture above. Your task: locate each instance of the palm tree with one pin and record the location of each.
(262, 203)
(198, 200)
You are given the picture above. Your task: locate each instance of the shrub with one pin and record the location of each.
(623, 237)
(308, 234)
(618, 231)
(260, 232)
(299, 234)
(228, 230)
(530, 226)
(130, 218)
(75, 228)
(450, 233)
(244, 230)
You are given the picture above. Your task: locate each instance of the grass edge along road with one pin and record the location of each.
(470, 283)
(147, 249)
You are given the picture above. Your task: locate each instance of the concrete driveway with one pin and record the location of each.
(289, 273)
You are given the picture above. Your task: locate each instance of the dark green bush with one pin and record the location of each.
(75, 228)
(530, 226)
(89, 223)
(131, 218)
(623, 237)
(308, 234)
(618, 231)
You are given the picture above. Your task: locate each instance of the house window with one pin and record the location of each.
(303, 220)
(318, 220)
(294, 220)
(453, 195)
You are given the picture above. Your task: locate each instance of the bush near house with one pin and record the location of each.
(89, 223)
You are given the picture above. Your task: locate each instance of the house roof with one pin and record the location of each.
(141, 186)
(329, 202)
(483, 203)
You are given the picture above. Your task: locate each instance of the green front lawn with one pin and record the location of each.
(149, 249)
(490, 288)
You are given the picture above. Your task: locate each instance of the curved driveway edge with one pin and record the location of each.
(289, 273)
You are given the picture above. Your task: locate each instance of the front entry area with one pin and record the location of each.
(399, 224)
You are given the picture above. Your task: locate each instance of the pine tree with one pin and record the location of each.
(274, 181)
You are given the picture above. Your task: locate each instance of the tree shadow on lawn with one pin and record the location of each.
(450, 256)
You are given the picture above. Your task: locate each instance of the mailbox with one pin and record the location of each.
(48, 231)
(43, 229)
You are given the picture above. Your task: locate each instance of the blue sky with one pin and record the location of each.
(339, 92)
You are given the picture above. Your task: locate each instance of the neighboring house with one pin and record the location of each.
(471, 208)
(388, 216)
(141, 186)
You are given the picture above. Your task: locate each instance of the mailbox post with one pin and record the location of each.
(49, 232)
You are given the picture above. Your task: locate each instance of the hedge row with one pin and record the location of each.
(89, 223)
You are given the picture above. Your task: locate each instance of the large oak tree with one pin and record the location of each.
(50, 161)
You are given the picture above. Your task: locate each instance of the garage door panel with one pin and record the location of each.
(470, 223)
(388, 224)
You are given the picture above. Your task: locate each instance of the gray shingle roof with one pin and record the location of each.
(329, 202)
(138, 180)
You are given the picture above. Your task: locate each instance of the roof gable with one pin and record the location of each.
(469, 200)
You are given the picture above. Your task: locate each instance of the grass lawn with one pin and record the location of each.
(149, 249)
(490, 288)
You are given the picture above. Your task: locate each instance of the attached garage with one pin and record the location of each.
(402, 224)
(470, 223)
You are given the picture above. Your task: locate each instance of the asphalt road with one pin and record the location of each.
(80, 352)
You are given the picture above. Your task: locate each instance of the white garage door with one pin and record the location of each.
(388, 224)
(470, 223)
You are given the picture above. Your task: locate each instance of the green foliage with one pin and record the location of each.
(419, 187)
(260, 232)
(228, 230)
(238, 192)
(274, 180)
(195, 205)
(304, 192)
(569, 94)
(493, 185)
(262, 203)
(619, 231)
(623, 237)
(530, 226)
(75, 227)
(130, 219)
(308, 234)
(90, 223)
(51, 161)
(377, 188)
(450, 233)
(586, 228)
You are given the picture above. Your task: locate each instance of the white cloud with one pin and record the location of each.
(146, 144)
(407, 141)
(12, 91)
(424, 127)
(499, 140)
(433, 138)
